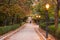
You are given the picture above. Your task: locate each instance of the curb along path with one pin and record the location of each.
(50, 37)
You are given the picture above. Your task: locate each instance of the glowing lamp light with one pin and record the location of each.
(47, 6)
(39, 16)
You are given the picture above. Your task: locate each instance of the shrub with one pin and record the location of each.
(58, 33)
(42, 25)
(6, 29)
(52, 29)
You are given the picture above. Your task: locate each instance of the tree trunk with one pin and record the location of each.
(56, 15)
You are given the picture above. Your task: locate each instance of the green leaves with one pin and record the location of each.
(10, 9)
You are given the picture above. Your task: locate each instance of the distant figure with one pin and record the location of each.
(29, 19)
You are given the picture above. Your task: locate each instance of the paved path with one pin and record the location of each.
(28, 33)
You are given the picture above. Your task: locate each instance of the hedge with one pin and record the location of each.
(52, 30)
(6, 29)
(57, 34)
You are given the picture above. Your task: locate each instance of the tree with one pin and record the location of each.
(14, 9)
(57, 13)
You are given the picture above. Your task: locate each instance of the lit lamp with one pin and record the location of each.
(36, 16)
(39, 16)
(47, 6)
(47, 19)
(37, 21)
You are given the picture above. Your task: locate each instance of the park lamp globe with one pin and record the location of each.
(39, 16)
(47, 6)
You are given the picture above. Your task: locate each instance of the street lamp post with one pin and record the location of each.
(47, 19)
(38, 17)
